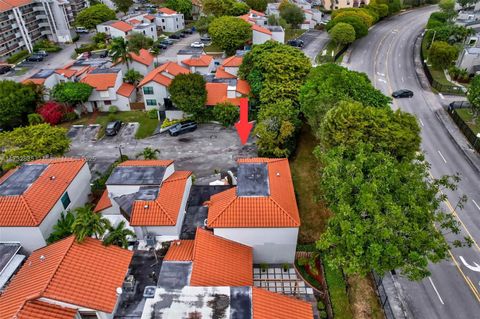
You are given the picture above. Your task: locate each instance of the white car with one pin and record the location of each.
(197, 44)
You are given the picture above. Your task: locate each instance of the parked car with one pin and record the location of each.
(187, 31)
(181, 35)
(113, 128)
(205, 39)
(181, 128)
(174, 36)
(296, 43)
(459, 105)
(197, 44)
(161, 46)
(167, 42)
(5, 68)
(42, 53)
(35, 58)
(81, 30)
(402, 93)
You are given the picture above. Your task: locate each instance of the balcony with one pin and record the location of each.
(6, 39)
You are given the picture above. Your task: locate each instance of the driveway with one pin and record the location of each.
(170, 54)
(315, 41)
(206, 151)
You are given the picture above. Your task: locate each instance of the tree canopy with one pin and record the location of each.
(473, 95)
(230, 33)
(384, 213)
(183, 6)
(342, 34)
(138, 41)
(292, 14)
(92, 16)
(88, 223)
(71, 92)
(203, 23)
(17, 100)
(442, 54)
(123, 5)
(188, 93)
(118, 235)
(361, 29)
(63, 228)
(258, 5)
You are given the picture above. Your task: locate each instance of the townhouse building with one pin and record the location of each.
(169, 20)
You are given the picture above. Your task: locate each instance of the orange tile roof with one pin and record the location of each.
(203, 60)
(149, 17)
(226, 209)
(246, 18)
(103, 203)
(6, 5)
(270, 305)
(126, 89)
(30, 208)
(66, 72)
(233, 61)
(258, 13)
(156, 75)
(180, 250)
(167, 11)
(258, 28)
(122, 26)
(144, 57)
(146, 163)
(163, 211)
(222, 74)
(34, 81)
(243, 87)
(134, 21)
(100, 81)
(220, 262)
(64, 272)
(44, 310)
(216, 93)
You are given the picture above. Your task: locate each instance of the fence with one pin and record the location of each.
(466, 130)
(137, 106)
(382, 294)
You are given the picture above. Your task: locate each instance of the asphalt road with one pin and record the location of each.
(387, 56)
(314, 41)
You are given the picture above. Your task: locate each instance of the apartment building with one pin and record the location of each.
(340, 4)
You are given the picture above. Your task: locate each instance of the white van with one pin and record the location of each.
(81, 30)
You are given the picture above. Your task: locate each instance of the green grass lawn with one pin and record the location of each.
(467, 116)
(338, 292)
(293, 33)
(212, 48)
(331, 50)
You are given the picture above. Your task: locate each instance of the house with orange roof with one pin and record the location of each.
(142, 62)
(149, 195)
(49, 78)
(232, 64)
(255, 17)
(261, 34)
(261, 211)
(60, 281)
(199, 63)
(169, 20)
(33, 196)
(148, 29)
(115, 28)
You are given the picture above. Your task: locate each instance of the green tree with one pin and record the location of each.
(88, 223)
(366, 16)
(118, 236)
(16, 102)
(384, 213)
(123, 5)
(148, 153)
(350, 123)
(342, 34)
(473, 95)
(92, 16)
(292, 14)
(119, 51)
(63, 228)
(71, 93)
(238, 9)
(274, 20)
(226, 113)
(32, 142)
(466, 3)
(217, 8)
(188, 93)
(99, 37)
(183, 6)
(447, 6)
(34, 119)
(203, 23)
(276, 127)
(230, 33)
(442, 54)
(394, 6)
(132, 76)
(361, 29)
(330, 83)
(137, 41)
(257, 5)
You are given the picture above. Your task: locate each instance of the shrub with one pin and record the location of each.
(285, 266)
(51, 112)
(302, 261)
(361, 29)
(263, 267)
(321, 305)
(167, 122)
(34, 119)
(75, 38)
(442, 54)
(226, 113)
(18, 56)
(46, 45)
(152, 114)
(323, 314)
(113, 109)
(69, 116)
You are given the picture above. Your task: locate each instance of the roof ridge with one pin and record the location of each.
(175, 179)
(223, 211)
(164, 211)
(284, 211)
(30, 211)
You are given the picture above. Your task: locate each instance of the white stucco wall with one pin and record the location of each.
(170, 23)
(149, 31)
(159, 94)
(232, 69)
(30, 238)
(270, 245)
(279, 36)
(260, 37)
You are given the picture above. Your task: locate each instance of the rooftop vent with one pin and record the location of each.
(146, 206)
(42, 258)
(52, 178)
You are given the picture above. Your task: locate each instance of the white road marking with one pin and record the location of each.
(403, 80)
(476, 204)
(435, 288)
(382, 80)
(381, 74)
(399, 65)
(442, 157)
(421, 122)
(475, 268)
(441, 96)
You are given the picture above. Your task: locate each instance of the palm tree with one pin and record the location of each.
(132, 76)
(118, 235)
(119, 51)
(148, 153)
(87, 223)
(63, 228)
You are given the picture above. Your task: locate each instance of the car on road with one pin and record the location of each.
(161, 46)
(197, 44)
(182, 128)
(5, 68)
(296, 43)
(81, 30)
(205, 39)
(35, 58)
(187, 31)
(42, 53)
(459, 105)
(402, 93)
(167, 41)
(174, 36)
(113, 128)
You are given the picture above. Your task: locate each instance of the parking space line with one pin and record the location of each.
(443, 158)
(474, 202)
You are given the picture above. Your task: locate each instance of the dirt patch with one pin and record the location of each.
(363, 298)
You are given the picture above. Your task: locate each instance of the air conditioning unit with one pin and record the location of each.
(129, 282)
(150, 240)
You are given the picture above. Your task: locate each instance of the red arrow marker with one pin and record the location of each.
(243, 126)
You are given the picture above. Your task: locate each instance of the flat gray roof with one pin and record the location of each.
(252, 179)
(136, 175)
(21, 179)
(7, 252)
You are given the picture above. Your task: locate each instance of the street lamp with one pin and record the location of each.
(433, 38)
(120, 151)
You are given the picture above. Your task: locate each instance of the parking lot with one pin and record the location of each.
(209, 149)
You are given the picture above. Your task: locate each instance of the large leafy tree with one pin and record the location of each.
(88, 223)
(292, 14)
(71, 92)
(183, 6)
(118, 235)
(258, 5)
(188, 93)
(123, 5)
(92, 16)
(385, 213)
(230, 33)
(275, 71)
(442, 54)
(16, 102)
(330, 83)
(361, 29)
(238, 9)
(32, 142)
(226, 113)
(137, 41)
(203, 23)
(473, 95)
(148, 153)
(350, 123)
(63, 227)
(120, 52)
(342, 34)
(217, 8)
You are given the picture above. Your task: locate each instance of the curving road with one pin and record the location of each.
(386, 55)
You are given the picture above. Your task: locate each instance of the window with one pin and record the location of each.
(151, 102)
(65, 200)
(88, 315)
(163, 20)
(147, 90)
(107, 102)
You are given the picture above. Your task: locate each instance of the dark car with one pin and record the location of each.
(161, 46)
(174, 36)
(459, 105)
(166, 42)
(35, 58)
(113, 128)
(42, 53)
(187, 31)
(296, 43)
(181, 128)
(205, 39)
(5, 68)
(402, 93)
(181, 35)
